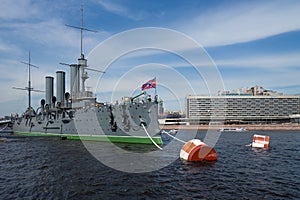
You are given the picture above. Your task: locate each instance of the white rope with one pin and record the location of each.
(150, 137)
(4, 127)
(174, 137)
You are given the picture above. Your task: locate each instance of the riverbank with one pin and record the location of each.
(249, 127)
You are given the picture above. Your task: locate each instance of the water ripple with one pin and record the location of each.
(43, 168)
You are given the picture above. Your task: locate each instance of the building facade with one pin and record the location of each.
(242, 108)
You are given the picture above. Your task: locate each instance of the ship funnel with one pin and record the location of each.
(49, 89)
(60, 86)
(75, 80)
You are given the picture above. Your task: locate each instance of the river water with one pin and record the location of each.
(49, 168)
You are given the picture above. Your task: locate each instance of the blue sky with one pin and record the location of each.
(251, 43)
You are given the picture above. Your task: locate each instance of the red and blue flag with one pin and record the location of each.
(150, 84)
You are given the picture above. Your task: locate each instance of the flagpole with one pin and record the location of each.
(155, 86)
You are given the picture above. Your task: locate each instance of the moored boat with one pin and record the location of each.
(232, 129)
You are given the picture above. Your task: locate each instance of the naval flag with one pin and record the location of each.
(150, 84)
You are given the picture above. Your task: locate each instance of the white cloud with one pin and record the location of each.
(6, 47)
(16, 9)
(282, 61)
(244, 22)
(120, 10)
(51, 32)
(15, 74)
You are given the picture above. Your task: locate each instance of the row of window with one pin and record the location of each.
(243, 106)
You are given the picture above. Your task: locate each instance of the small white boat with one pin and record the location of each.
(232, 129)
(173, 131)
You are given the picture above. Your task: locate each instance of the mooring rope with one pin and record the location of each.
(4, 127)
(174, 137)
(150, 137)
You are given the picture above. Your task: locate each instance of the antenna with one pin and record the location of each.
(29, 88)
(81, 28)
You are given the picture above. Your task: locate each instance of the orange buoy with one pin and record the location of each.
(261, 141)
(196, 150)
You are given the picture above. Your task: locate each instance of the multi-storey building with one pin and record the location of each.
(242, 108)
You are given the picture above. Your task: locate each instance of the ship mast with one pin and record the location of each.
(82, 62)
(29, 88)
(29, 80)
(81, 29)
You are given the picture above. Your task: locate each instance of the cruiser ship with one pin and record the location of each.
(78, 115)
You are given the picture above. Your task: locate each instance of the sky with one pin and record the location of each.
(239, 44)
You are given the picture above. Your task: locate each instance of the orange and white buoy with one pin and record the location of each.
(261, 141)
(196, 150)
